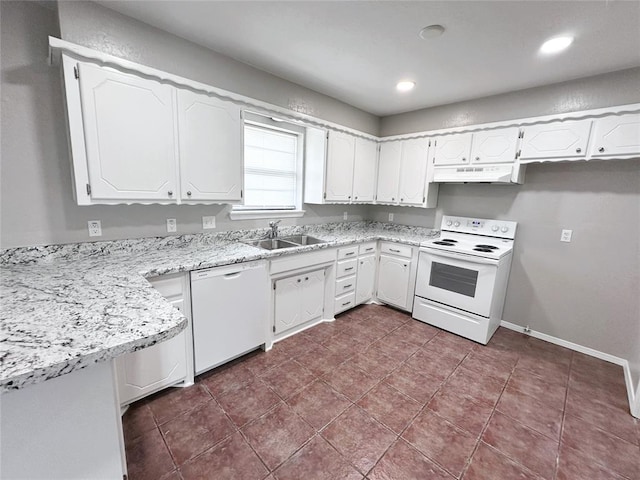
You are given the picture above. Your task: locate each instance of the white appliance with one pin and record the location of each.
(506, 174)
(229, 307)
(462, 276)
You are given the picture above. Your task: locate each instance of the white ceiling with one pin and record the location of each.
(356, 51)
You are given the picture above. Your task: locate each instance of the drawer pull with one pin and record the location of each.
(348, 286)
(368, 249)
(394, 250)
(346, 303)
(347, 269)
(349, 253)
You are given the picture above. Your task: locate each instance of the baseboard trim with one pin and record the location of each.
(633, 395)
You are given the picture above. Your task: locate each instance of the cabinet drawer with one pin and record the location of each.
(346, 267)
(396, 249)
(345, 302)
(347, 252)
(345, 285)
(367, 248)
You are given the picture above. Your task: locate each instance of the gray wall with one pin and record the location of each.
(37, 206)
(585, 291)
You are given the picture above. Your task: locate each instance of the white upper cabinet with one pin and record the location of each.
(210, 133)
(452, 149)
(389, 172)
(129, 132)
(364, 170)
(495, 146)
(558, 140)
(616, 136)
(415, 157)
(341, 149)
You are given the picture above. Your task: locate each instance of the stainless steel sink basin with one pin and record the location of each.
(272, 244)
(303, 239)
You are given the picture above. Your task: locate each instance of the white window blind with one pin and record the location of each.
(270, 169)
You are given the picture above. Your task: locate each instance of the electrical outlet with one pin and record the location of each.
(208, 222)
(345, 215)
(391, 217)
(565, 236)
(95, 228)
(171, 225)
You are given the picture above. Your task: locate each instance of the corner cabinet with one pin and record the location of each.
(397, 274)
(132, 138)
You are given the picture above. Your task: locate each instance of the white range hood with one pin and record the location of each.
(500, 173)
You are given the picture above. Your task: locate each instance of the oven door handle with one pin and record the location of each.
(458, 256)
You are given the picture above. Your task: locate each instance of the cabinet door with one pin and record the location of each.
(312, 298)
(555, 140)
(413, 172)
(366, 278)
(129, 133)
(288, 293)
(389, 172)
(340, 156)
(495, 146)
(393, 280)
(364, 170)
(211, 148)
(616, 135)
(453, 149)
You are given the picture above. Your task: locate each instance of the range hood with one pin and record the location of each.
(505, 174)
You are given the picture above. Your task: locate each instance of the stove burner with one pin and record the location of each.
(486, 250)
(490, 247)
(448, 240)
(448, 244)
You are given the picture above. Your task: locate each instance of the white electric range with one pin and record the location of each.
(462, 276)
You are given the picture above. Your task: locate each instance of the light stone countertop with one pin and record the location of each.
(65, 307)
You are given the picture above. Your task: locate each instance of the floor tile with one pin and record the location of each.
(531, 363)
(544, 389)
(196, 431)
(488, 463)
(509, 338)
(137, 420)
(395, 347)
(476, 388)
(288, 378)
(231, 459)
(317, 460)
(366, 331)
(441, 441)
(350, 380)
(176, 400)
(346, 345)
(416, 332)
(522, 444)
(403, 462)
(487, 366)
(277, 435)
(531, 412)
(318, 404)
(225, 379)
(460, 410)
(601, 447)
(575, 465)
(323, 331)
(375, 363)
(359, 438)
(296, 345)
(148, 457)
(449, 345)
(248, 402)
(322, 360)
(261, 362)
(389, 407)
(611, 394)
(413, 383)
(433, 364)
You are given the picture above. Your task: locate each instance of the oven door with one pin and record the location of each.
(457, 280)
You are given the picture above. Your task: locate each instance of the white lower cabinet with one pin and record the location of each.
(366, 278)
(167, 363)
(298, 299)
(396, 275)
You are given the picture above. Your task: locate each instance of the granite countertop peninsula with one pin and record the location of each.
(65, 307)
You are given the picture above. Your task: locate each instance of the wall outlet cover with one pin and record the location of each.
(208, 222)
(565, 236)
(172, 225)
(95, 228)
(345, 215)
(391, 217)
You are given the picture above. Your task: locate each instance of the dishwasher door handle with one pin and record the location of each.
(232, 275)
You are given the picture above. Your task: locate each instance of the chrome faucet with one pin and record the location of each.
(274, 229)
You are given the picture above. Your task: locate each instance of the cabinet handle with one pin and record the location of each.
(349, 196)
(477, 158)
(170, 193)
(349, 253)
(299, 280)
(368, 249)
(402, 199)
(361, 262)
(347, 286)
(356, 198)
(394, 250)
(578, 150)
(393, 199)
(405, 264)
(347, 269)
(346, 303)
(306, 278)
(464, 159)
(189, 193)
(601, 149)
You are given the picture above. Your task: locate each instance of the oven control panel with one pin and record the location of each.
(479, 226)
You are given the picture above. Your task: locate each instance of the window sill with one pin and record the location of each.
(258, 214)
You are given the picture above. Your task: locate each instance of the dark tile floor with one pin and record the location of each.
(379, 395)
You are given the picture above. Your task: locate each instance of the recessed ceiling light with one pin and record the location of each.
(556, 44)
(405, 86)
(432, 31)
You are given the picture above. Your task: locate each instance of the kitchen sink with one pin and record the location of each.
(303, 239)
(272, 244)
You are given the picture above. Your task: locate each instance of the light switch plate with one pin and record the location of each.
(208, 222)
(391, 217)
(95, 228)
(171, 225)
(345, 215)
(565, 236)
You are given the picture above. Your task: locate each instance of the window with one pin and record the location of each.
(272, 169)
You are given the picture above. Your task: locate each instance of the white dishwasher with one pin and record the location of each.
(230, 308)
